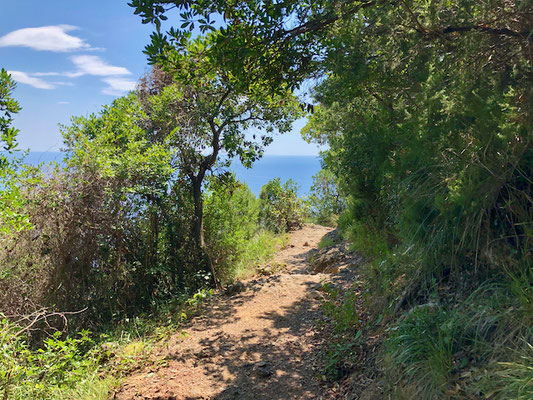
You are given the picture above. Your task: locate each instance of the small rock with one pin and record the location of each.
(306, 244)
(263, 369)
(327, 260)
(201, 353)
(235, 288)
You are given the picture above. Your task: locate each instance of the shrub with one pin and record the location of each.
(97, 244)
(423, 345)
(231, 221)
(325, 202)
(281, 209)
(237, 242)
(342, 310)
(60, 368)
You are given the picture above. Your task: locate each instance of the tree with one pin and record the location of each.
(287, 41)
(324, 199)
(203, 113)
(11, 218)
(415, 99)
(8, 107)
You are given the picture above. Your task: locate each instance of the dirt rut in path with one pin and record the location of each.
(258, 344)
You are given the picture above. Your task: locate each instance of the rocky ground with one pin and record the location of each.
(257, 341)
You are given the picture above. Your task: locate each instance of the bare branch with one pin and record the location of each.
(41, 316)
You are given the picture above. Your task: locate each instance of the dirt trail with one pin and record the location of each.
(257, 344)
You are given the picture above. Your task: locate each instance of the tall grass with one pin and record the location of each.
(514, 380)
(449, 346)
(259, 249)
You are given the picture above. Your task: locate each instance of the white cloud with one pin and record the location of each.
(63, 102)
(118, 86)
(47, 74)
(49, 38)
(94, 65)
(59, 83)
(23, 77)
(87, 65)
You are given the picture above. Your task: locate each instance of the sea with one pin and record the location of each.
(298, 168)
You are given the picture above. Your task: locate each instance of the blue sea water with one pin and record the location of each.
(298, 168)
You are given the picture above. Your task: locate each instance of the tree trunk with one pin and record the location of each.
(198, 228)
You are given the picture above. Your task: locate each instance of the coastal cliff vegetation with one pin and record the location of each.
(425, 109)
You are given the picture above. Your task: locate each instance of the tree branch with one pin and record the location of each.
(222, 99)
(413, 16)
(328, 19)
(42, 315)
(487, 29)
(250, 118)
(210, 159)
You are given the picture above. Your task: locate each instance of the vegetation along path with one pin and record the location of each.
(259, 343)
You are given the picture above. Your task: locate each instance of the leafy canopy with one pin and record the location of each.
(11, 217)
(8, 107)
(202, 110)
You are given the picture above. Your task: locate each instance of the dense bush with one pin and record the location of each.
(231, 221)
(60, 369)
(107, 236)
(325, 202)
(439, 154)
(281, 209)
(94, 245)
(430, 135)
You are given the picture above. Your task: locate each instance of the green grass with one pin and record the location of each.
(259, 249)
(326, 241)
(423, 346)
(94, 387)
(470, 347)
(85, 366)
(514, 380)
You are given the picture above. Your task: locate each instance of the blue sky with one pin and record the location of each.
(69, 57)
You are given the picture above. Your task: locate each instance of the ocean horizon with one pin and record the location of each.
(298, 168)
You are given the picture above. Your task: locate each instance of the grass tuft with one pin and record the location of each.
(259, 249)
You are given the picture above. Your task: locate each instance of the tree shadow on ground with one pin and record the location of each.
(277, 358)
(281, 362)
